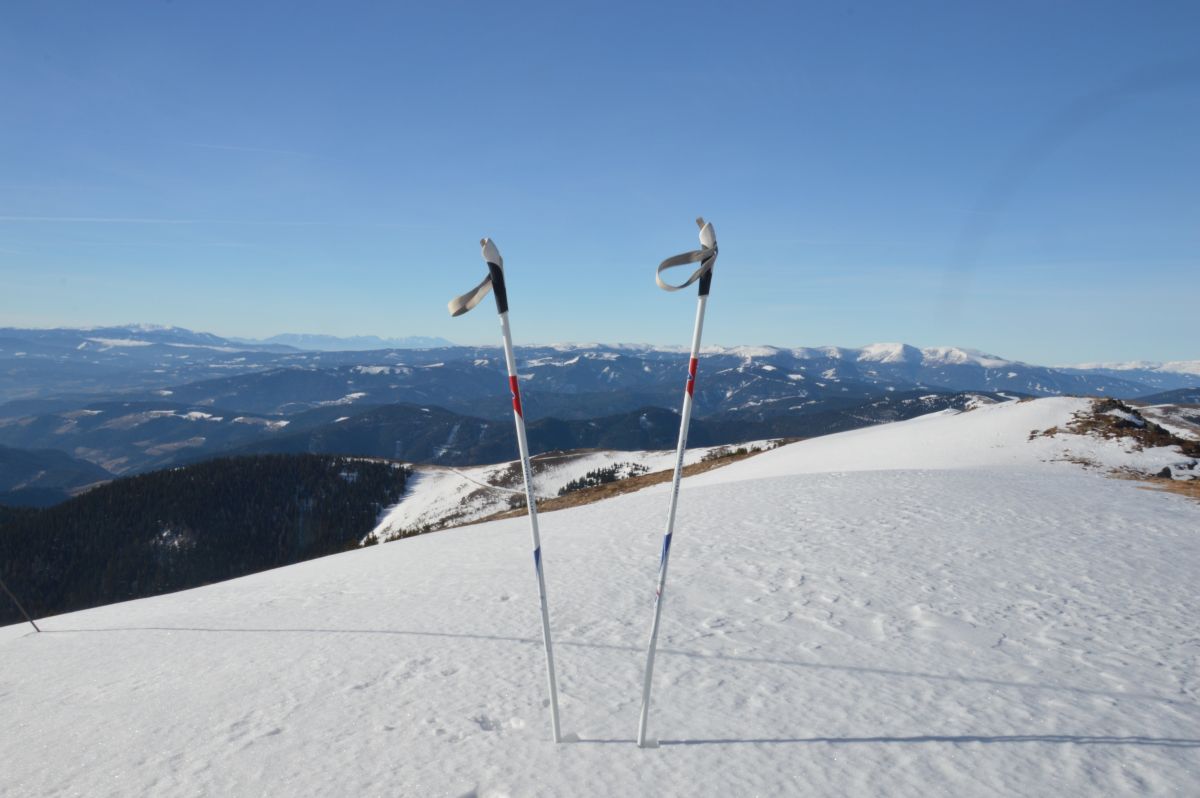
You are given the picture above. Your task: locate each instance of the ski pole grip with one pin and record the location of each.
(495, 263)
(706, 256)
(496, 275)
(494, 280)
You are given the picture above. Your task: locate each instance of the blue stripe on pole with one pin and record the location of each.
(537, 558)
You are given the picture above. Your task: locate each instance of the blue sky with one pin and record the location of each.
(1022, 178)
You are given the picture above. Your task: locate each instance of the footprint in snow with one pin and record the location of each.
(486, 723)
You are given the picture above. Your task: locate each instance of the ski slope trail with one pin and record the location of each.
(967, 614)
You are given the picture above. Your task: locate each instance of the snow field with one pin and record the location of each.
(953, 628)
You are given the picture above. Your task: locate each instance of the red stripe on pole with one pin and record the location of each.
(691, 383)
(516, 393)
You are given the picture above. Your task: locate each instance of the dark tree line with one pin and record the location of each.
(603, 476)
(184, 527)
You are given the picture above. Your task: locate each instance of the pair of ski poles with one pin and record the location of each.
(706, 256)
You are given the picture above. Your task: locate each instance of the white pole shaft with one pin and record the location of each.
(666, 547)
(531, 502)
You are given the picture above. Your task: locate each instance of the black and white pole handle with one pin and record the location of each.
(494, 281)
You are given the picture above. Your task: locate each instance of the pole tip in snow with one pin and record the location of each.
(490, 253)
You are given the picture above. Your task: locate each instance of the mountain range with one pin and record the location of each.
(58, 363)
(133, 399)
(333, 343)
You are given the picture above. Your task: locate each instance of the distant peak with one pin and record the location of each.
(957, 356)
(890, 353)
(1176, 366)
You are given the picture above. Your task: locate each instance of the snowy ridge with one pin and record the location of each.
(976, 620)
(1004, 435)
(437, 496)
(1174, 366)
(894, 353)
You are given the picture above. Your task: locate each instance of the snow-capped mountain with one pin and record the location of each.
(1168, 376)
(334, 343)
(40, 364)
(941, 607)
(1173, 366)
(133, 398)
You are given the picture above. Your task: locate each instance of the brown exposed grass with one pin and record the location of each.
(1146, 435)
(1182, 487)
(1143, 435)
(1191, 488)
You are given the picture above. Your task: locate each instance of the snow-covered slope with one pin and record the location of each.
(1005, 435)
(438, 496)
(980, 619)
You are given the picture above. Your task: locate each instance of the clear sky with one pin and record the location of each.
(1022, 178)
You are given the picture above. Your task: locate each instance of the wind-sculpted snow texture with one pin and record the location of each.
(972, 620)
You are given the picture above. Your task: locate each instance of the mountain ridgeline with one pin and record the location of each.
(434, 435)
(184, 527)
(129, 400)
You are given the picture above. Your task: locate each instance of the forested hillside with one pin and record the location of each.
(184, 527)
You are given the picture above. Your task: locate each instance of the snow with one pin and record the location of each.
(994, 437)
(435, 493)
(1182, 366)
(268, 423)
(549, 361)
(72, 414)
(212, 347)
(197, 415)
(884, 353)
(749, 352)
(952, 355)
(1176, 366)
(1124, 416)
(115, 342)
(1177, 420)
(348, 399)
(938, 610)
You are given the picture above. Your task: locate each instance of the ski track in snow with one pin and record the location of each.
(979, 624)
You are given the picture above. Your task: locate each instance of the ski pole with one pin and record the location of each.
(20, 606)
(458, 306)
(707, 257)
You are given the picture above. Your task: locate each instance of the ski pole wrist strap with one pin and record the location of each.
(495, 279)
(706, 256)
